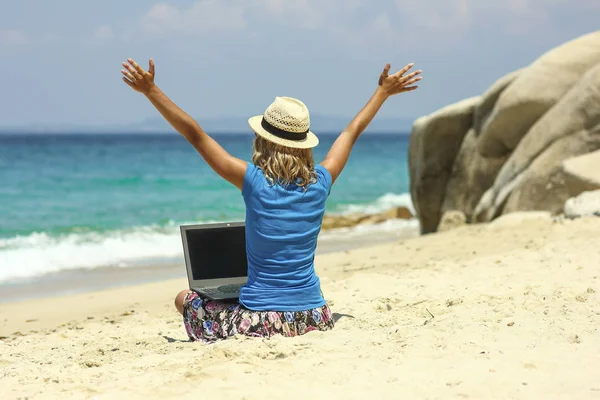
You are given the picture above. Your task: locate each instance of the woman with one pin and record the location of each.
(285, 194)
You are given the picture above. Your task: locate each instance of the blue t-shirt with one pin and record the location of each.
(282, 225)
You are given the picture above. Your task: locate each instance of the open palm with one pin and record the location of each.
(137, 77)
(398, 82)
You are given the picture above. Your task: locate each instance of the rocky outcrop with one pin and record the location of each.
(568, 129)
(581, 173)
(512, 154)
(471, 175)
(534, 92)
(351, 220)
(488, 100)
(543, 185)
(434, 144)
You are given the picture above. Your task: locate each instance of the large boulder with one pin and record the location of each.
(582, 173)
(471, 176)
(534, 92)
(523, 145)
(434, 144)
(543, 185)
(488, 100)
(578, 112)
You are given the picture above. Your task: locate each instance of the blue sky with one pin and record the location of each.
(60, 60)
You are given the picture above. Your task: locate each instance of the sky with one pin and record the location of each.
(60, 60)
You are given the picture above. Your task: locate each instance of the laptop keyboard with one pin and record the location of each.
(225, 289)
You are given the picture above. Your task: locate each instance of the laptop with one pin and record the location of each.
(215, 258)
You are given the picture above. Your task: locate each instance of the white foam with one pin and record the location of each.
(39, 253)
(399, 227)
(383, 203)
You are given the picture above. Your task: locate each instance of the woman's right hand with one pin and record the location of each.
(398, 82)
(137, 78)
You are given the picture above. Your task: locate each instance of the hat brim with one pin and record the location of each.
(309, 142)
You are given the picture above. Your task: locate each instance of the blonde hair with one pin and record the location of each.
(284, 165)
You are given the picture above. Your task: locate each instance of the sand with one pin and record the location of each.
(509, 310)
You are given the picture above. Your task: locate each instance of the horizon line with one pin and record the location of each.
(8, 132)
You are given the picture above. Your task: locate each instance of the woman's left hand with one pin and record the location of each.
(137, 78)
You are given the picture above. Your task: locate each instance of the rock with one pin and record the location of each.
(534, 92)
(350, 220)
(452, 219)
(434, 144)
(582, 173)
(398, 213)
(576, 114)
(471, 176)
(340, 221)
(542, 186)
(373, 219)
(489, 99)
(586, 204)
(521, 146)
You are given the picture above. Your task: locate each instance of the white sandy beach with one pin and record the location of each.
(509, 310)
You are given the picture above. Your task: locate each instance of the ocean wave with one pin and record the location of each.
(383, 203)
(39, 253)
(404, 227)
(26, 257)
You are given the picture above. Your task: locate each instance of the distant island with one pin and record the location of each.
(319, 124)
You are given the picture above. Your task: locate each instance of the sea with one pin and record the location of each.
(75, 203)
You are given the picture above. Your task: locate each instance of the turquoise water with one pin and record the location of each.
(83, 201)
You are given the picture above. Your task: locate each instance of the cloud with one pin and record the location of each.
(351, 22)
(452, 20)
(206, 16)
(309, 14)
(201, 18)
(13, 38)
(103, 33)
(435, 16)
(361, 22)
(378, 30)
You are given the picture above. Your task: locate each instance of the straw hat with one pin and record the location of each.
(286, 122)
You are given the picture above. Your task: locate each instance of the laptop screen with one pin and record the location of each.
(217, 253)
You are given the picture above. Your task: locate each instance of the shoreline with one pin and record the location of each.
(80, 304)
(82, 280)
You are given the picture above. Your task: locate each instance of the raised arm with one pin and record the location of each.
(389, 85)
(228, 167)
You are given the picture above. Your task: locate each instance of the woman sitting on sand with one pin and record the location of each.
(285, 193)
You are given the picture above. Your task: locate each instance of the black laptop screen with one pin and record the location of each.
(217, 253)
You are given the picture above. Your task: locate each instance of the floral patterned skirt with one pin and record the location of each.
(210, 320)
